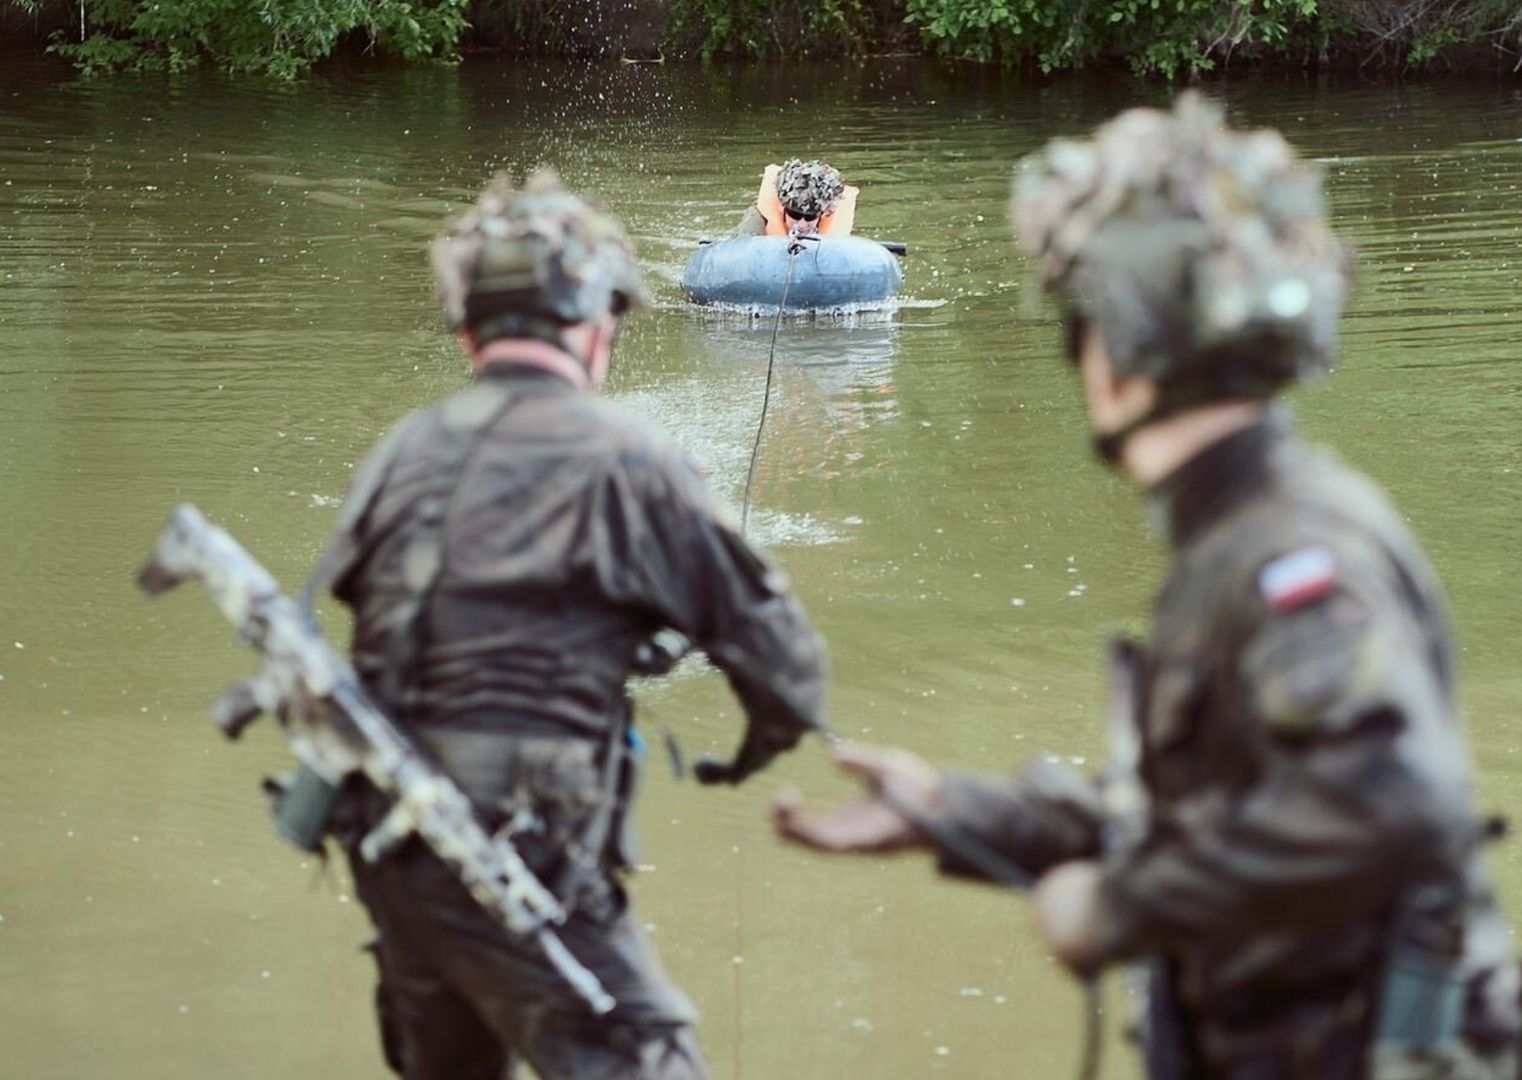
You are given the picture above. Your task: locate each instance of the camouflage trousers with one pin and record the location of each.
(1324, 1036)
(1457, 1061)
(460, 1000)
(1352, 1062)
(1342, 1052)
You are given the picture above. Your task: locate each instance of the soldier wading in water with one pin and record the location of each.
(508, 555)
(1286, 839)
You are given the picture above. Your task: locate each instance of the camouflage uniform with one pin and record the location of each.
(1288, 838)
(508, 554)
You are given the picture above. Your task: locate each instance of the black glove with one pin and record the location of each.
(757, 750)
(710, 770)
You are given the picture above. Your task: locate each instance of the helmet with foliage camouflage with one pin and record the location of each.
(808, 188)
(529, 263)
(1201, 255)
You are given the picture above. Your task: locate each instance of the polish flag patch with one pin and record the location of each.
(1298, 578)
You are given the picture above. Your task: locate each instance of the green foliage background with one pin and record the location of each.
(1168, 37)
(1171, 38)
(762, 28)
(282, 38)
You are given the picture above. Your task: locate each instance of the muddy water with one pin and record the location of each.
(216, 292)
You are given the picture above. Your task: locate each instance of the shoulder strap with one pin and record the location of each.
(423, 556)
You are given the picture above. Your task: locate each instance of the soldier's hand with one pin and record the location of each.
(1070, 915)
(710, 770)
(902, 790)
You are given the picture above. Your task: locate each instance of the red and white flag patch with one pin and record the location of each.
(1298, 578)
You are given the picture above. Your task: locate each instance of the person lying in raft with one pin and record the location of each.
(800, 198)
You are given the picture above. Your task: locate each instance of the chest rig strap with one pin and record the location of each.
(468, 418)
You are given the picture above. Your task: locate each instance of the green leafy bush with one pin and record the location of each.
(1171, 38)
(1416, 32)
(282, 38)
(758, 28)
(1167, 37)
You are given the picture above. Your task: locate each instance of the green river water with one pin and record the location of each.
(216, 291)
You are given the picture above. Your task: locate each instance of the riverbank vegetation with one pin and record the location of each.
(1170, 38)
(282, 38)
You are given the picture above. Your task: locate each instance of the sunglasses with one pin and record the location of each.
(794, 215)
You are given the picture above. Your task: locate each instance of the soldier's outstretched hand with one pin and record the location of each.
(902, 790)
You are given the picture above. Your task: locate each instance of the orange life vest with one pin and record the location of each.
(837, 222)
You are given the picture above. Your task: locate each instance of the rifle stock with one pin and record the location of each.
(336, 731)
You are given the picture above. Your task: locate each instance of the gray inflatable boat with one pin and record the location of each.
(828, 272)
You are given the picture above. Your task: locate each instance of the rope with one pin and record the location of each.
(971, 851)
(996, 867)
(750, 476)
(766, 397)
(1093, 1030)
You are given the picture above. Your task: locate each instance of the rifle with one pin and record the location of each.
(336, 732)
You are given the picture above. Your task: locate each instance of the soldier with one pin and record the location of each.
(1286, 838)
(508, 554)
(801, 198)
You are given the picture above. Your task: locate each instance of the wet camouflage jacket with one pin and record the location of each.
(570, 532)
(1300, 765)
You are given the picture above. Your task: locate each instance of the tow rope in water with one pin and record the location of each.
(766, 397)
(994, 866)
(964, 846)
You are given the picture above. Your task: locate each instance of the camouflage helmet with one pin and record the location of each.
(529, 263)
(808, 188)
(1200, 254)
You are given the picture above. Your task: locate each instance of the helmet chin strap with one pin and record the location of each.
(1110, 445)
(538, 342)
(534, 353)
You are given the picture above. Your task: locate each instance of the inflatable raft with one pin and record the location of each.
(828, 272)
